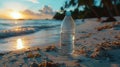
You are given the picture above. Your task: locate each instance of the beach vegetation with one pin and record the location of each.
(90, 9)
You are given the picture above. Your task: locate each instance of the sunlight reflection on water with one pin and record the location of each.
(20, 44)
(44, 36)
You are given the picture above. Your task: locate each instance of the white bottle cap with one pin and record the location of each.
(68, 13)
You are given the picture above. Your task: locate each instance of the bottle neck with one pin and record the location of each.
(68, 17)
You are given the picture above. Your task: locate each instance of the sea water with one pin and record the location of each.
(31, 32)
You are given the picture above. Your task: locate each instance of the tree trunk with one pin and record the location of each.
(115, 8)
(90, 6)
(94, 12)
(109, 11)
(105, 4)
(108, 4)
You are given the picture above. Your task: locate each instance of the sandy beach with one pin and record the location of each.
(97, 45)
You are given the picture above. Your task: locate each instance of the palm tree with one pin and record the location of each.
(87, 3)
(91, 9)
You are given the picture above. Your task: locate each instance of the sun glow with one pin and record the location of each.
(19, 44)
(15, 15)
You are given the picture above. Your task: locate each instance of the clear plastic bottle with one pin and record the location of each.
(67, 35)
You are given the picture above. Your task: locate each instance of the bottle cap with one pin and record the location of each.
(68, 13)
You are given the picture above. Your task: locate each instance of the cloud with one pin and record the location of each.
(34, 1)
(47, 10)
(45, 13)
(28, 14)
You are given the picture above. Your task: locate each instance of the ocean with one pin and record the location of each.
(31, 32)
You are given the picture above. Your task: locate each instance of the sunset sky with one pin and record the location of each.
(29, 9)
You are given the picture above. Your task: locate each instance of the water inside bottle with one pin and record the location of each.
(67, 41)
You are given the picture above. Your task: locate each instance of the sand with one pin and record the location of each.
(93, 49)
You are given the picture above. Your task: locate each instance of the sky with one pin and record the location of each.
(30, 9)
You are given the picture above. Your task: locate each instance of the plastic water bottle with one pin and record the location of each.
(67, 35)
